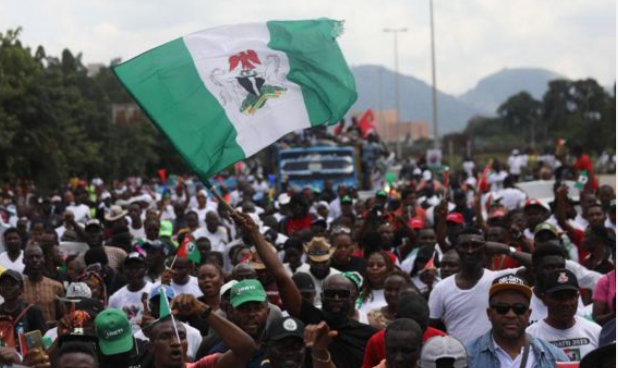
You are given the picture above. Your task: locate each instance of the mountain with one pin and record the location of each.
(493, 90)
(415, 98)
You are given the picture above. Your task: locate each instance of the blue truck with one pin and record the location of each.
(310, 167)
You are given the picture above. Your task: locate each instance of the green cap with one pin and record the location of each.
(546, 226)
(346, 199)
(381, 193)
(247, 291)
(166, 229)
(114, 332)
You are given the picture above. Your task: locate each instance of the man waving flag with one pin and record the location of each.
(223, 94)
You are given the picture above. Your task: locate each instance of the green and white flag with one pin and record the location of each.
(582, 180)
(223, 94)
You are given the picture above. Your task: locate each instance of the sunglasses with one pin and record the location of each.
(502, 308)
(341, 230)
(332, 294)
(471, 246)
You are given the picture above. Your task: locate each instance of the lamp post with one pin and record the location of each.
(395, 32)
(434, 97)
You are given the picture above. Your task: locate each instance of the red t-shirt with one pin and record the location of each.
(294, 226)
(577, 236)
(375, 351)
(209, 361)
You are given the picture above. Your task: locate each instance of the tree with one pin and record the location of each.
(522, 112)
(56, 120)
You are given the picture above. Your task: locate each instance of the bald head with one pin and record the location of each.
(338, 282)
(243, 271)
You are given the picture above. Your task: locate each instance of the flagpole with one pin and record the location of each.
(169, 308)
(214, 191)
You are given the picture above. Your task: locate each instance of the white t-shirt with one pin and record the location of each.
(218, 239)
(464, 312)
(539, 309)
(515, 164)
(138, 233)
(194, 339)
(512, 198)
(495, 180)
(190, 287)
(610, 225)
(81, 212)
(468, 167)
(374, 301)
(334, 209)
(131, 303)
(507, 362)
(576, 341)
(6, 262)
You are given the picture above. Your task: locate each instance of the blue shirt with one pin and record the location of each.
(482, 353)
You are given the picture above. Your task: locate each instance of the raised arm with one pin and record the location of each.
(478, 212)
(240, 343)
(525, 259)
(290, 296)
(439, 214)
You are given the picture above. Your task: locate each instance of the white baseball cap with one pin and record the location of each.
(441, 347)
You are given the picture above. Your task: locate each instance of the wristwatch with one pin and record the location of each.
(206, 312)
(512, 250)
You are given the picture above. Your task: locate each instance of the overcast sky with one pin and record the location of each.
(474, 38)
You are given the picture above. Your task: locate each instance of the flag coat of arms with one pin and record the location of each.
(223, 94)
(188, 249)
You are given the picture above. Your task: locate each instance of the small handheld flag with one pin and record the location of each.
(582, 180)
(188, 249)
(164, 304)
(165, 309)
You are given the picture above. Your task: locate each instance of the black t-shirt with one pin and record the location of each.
(356, 264)
(347, 350)
(256, 359)
(33, 319)
(140, 357)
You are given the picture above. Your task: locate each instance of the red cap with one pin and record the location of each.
(455, 217)
(497, 213)
(535, 202)
(416, 223)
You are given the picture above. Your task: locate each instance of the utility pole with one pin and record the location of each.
(436, 141)
(396, 32)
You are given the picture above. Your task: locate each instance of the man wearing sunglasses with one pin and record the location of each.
(562, 328)
(347, 347)
(507, 344)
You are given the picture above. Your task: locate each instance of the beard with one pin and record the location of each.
(334, 318)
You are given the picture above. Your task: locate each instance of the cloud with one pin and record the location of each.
(474, 38)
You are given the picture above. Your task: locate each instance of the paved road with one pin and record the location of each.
(608, 179)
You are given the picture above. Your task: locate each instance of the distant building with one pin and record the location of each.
(390, 130)
(93, 69)
(128, 113)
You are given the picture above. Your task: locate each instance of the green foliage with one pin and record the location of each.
(56, 121)
(581, 112)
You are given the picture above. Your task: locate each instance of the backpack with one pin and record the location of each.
(7, 327)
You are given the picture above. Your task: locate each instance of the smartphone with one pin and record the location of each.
(34, 340)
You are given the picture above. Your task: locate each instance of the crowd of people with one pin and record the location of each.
(436, 271)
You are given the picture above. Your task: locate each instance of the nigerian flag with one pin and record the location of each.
(223, 94)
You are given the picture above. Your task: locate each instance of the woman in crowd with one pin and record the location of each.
(210, 279)
(379, 318)
(379, 265)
